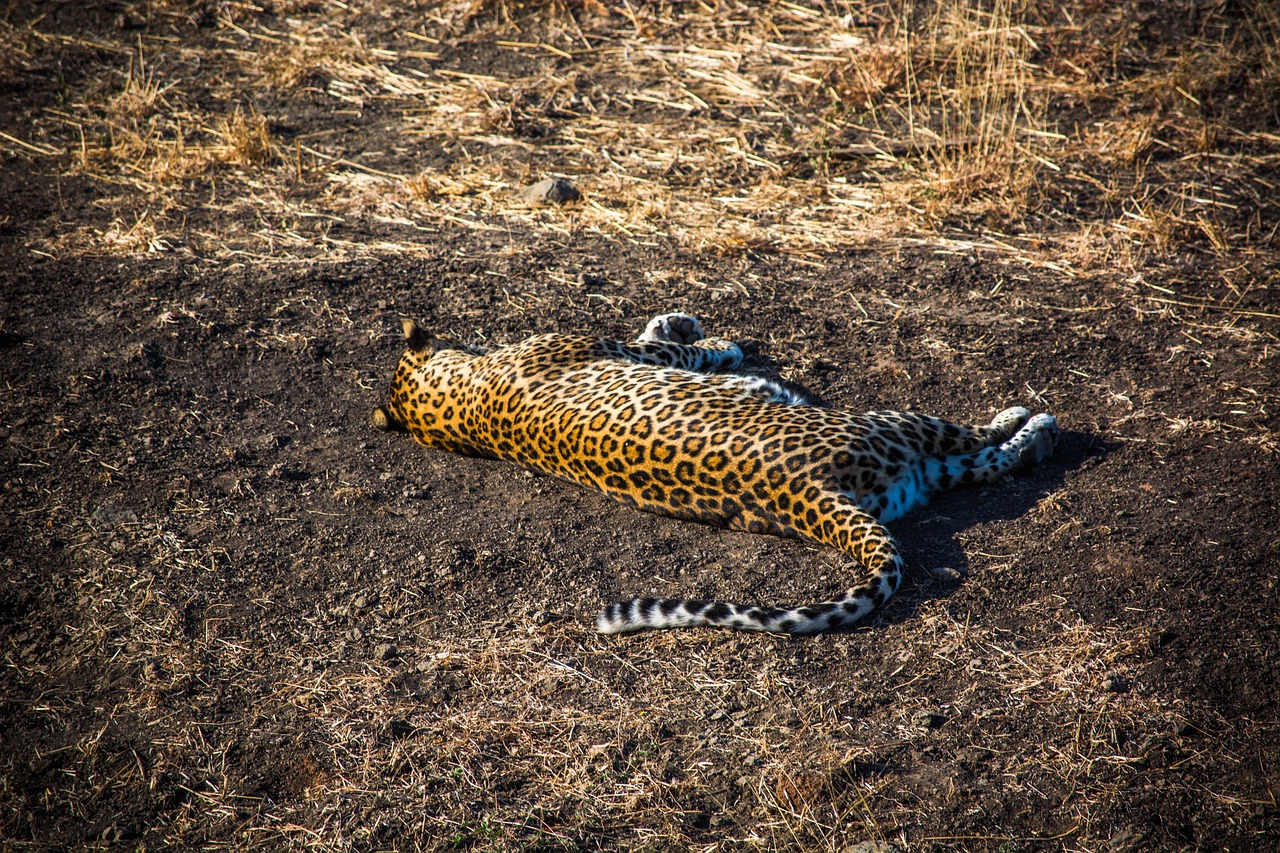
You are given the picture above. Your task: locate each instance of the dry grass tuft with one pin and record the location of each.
(244, 140)
(140, 235)
(977, 125)
(142, 95)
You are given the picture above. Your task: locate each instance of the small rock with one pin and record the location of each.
(385, 651)
(927, 719)
(551, 191)
(116, 833)
(281, 471)
(401, 729)
(111, 514)
(355, 635)
(946, 574)
(872, 847)
(1123, 840)
(271, 441)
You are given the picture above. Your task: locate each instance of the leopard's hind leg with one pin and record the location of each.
(682, 331)
(675, 328)
(929, 436)
(1030, 445)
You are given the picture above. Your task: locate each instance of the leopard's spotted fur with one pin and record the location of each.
(652, 424)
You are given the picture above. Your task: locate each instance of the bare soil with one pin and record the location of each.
(233, 615)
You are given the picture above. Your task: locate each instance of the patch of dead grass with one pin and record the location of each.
(542, 733)
(952, 124)
(244, 140)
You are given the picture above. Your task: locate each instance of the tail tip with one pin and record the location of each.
(609, 620)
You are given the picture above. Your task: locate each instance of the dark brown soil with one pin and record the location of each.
(231, 614)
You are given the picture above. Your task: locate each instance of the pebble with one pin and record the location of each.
(111, 514)
(551, 191)
(946, 574)
(927, 719)
(401, 729)
(117, 833)
(872, 847)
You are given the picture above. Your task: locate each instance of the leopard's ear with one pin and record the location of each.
(416, 339)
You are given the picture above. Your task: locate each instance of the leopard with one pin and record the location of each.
(671, 424)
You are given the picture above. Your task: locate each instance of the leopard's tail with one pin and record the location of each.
(846, 527)
(876, 551)
(655, 613)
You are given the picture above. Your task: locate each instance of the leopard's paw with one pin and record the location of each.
(1037, 439)
(677, 328)
(1010, 420)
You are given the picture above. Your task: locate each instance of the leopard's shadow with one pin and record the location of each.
(938, 564)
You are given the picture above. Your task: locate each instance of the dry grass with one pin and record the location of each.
(543, 734)
(1008, 128)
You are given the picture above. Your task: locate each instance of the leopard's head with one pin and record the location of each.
(420, 347)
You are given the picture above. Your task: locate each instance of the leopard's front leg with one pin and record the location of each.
(677, 340)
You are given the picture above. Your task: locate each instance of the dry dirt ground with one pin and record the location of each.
(232, 615)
